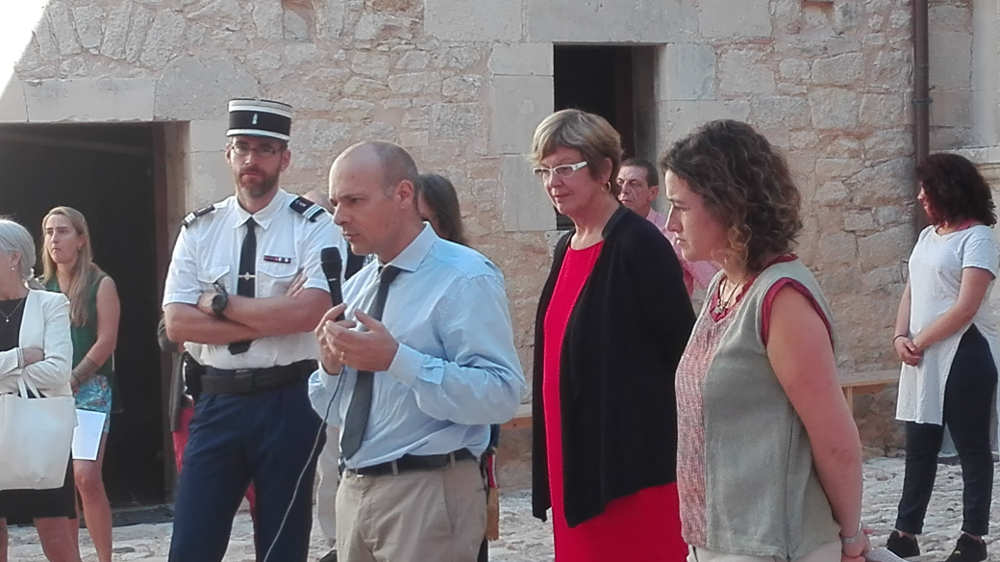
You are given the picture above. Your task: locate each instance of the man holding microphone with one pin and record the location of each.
(424, 362)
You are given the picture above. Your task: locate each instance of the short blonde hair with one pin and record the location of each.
(588, 133)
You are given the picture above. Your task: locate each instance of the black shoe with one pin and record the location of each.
(330, 556)
(903, 546)
(968, 549)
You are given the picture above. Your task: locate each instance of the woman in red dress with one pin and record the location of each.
(612, 322)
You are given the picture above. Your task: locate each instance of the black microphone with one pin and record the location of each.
(330, 260)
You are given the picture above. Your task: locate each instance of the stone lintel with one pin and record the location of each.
(89, 99)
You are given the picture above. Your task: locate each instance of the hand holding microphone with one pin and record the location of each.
(370, 350)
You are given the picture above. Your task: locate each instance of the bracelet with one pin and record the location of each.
(897, 336)
(20, 358)
(845, 541)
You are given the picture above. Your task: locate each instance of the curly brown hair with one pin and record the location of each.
(955, 189)
(745, 184)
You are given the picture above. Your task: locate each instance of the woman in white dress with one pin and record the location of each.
(946, 339)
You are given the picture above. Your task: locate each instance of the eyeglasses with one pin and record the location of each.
(563, 171)
(242, 150)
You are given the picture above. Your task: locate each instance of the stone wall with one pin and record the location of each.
(461, 84)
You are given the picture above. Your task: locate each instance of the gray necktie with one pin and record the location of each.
(361, 401)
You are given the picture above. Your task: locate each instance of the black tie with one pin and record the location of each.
(248, 273)
(361, 401)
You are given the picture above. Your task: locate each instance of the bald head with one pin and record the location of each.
(372, 188)
(394, 162)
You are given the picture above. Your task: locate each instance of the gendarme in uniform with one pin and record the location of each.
(226, 289)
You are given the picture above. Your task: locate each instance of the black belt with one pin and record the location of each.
(250, 381)
(408, 463)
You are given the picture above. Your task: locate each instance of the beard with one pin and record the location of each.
(257, 185)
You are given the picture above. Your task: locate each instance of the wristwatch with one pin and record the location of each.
(221, 299)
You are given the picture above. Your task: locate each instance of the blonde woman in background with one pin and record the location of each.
(94, 314)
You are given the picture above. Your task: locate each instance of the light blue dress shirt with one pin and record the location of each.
(456, 370)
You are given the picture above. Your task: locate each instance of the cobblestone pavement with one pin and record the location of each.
(525, 539)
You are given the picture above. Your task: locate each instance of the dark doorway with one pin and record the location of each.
(614, 82)
(106, 172)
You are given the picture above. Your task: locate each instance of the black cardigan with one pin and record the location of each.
(623, 341)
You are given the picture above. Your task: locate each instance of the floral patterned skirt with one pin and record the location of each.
(95, 395)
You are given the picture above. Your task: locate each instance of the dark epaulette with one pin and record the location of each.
(309, 210)
(193, 216)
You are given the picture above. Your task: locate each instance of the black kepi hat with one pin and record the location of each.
(259, 118)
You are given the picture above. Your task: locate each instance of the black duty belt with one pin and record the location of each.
(250, 381)
(407, 463)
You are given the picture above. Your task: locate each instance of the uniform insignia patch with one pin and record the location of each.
(277, 259)
(193, 216)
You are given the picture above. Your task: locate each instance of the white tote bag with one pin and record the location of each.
(35, 438)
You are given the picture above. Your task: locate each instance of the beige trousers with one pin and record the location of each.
(433, 515)
(829, 552)
(326, 491)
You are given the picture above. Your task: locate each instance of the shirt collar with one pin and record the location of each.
(264, 216)
(414, 253)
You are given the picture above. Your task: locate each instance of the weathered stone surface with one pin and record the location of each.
(88, 21)
(855, 221)
(835, 168)
(526, 207)
(380, 27)
(413, 60)
(374, 65)
(197, 88)
(415, 83)
(793, 69)
(885, 247)
(62, 28)
(166, 30)
(365, 88)
(839, 70)
(744, 72)
(13, 106)
(462, 88)
(882, 110)
(951, 108)
(833, 108)
(353, 110)
(680, 117)
(780, 111)
(142, 18)
(838, 248)
(831, 193)
(519, 103)
(723, 18)
(456, 121)
(330, 19)
(208, 135)
(687, 72)
(890, 143)
(610, 20)
(267, 19)
(951, 60)
(294, 26)
(89, 99)
(492, 20)
(522, 59)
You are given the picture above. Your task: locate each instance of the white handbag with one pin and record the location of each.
(36, 434)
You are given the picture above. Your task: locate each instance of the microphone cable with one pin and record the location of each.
(313, 451)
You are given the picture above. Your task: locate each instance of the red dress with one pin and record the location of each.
(643, 526)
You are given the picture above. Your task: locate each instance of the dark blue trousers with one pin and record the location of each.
(264, 438)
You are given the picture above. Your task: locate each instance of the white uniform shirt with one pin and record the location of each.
(935, 267)
(287, 242)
